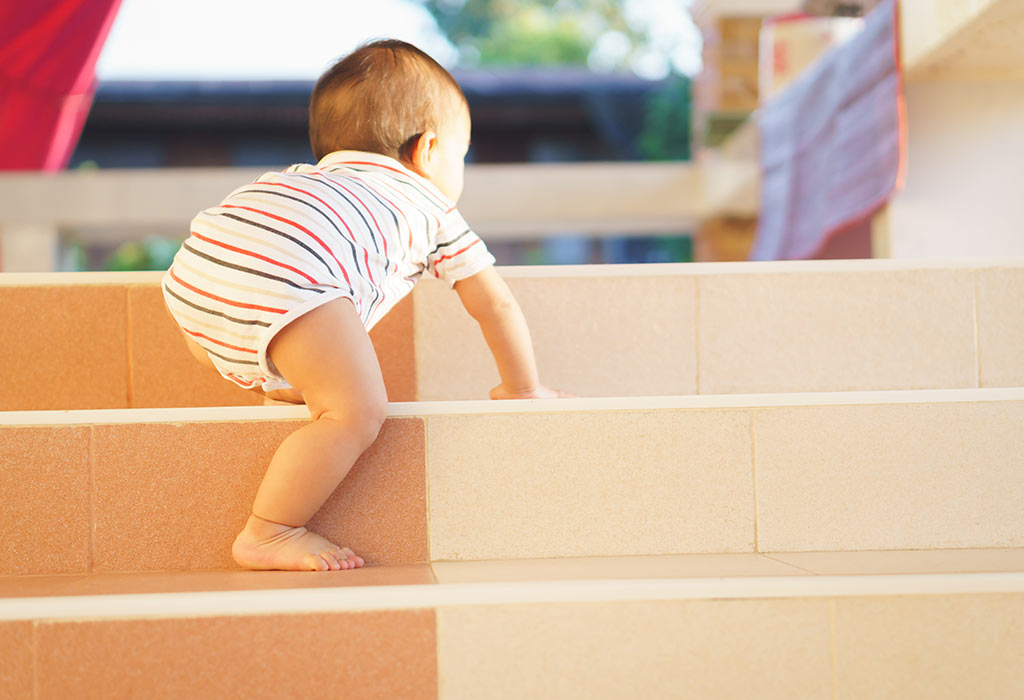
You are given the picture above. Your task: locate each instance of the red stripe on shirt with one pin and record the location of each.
(457, 253)
(239, 304)
(296, 225)
(214, 340)
(243, 251)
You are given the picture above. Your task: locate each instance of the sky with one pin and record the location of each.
(297, 40)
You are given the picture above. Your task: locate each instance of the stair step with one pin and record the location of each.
(602, 330)
(947, 625)
(167, 489)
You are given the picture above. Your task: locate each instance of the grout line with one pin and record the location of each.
(790, 564)
(426, 489)
(128, 349)
(832, 646)
(977, 330)
(696, 331)
(753, 466)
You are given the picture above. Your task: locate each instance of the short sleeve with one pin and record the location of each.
(458, 252)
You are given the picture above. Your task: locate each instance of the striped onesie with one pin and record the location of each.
(356, 225)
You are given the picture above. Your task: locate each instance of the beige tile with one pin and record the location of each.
(935, 561)
(652, 649)
(911, 476)
(380, 655)
(836, 331)
(17, 662)
(606, 336)
(589, 484)
(1001, 326)
(63, 347)
(936, 647)
(195, 581)
(588, 568)
(164, 373)
(44, 517)
(173, 496)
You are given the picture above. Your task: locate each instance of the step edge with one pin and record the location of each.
(426, 409)
(458, 595)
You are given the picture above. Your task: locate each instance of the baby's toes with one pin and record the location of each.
(334, 562)
(314, 562)
(355, 560)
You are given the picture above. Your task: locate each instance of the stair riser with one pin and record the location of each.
(941, 646)
(166, 496)
(674, 330)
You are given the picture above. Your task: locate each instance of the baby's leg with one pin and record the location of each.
(327, 356)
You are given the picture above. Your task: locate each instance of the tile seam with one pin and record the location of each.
(426, 490)
(977, 328)
(788, 563)
(832, 646)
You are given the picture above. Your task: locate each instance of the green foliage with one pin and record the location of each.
(153, 253)
(511, 32)
(666, 131)
(564, 32)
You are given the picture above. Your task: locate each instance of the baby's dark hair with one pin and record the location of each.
(379, 99)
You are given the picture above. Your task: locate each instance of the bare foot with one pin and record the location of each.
(266, 545)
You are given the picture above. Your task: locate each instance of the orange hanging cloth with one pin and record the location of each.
(48, 53)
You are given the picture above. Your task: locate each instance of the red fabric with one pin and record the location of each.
(48, 53)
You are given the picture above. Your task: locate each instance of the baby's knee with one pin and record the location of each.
(362, 423)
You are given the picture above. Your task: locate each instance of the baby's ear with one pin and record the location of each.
(423, 152)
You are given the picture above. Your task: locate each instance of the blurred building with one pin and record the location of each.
(519, 115)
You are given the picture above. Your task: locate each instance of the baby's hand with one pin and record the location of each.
(538, 392)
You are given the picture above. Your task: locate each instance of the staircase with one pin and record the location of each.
(788, 480)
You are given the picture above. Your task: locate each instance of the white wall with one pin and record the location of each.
(963, 195)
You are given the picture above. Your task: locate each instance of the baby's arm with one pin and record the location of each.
(490, 302)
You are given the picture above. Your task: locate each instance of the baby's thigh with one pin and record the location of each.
(327, 356)
(198, 352)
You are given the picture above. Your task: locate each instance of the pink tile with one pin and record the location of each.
(44, 479)
(164, 374)
(380, 511)
(17, 651)
(365, 655)
(393, 340)
(63, 347)
(173, 496)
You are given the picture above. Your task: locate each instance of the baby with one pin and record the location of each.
(277, 286)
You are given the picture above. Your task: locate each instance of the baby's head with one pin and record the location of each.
(389, 97)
